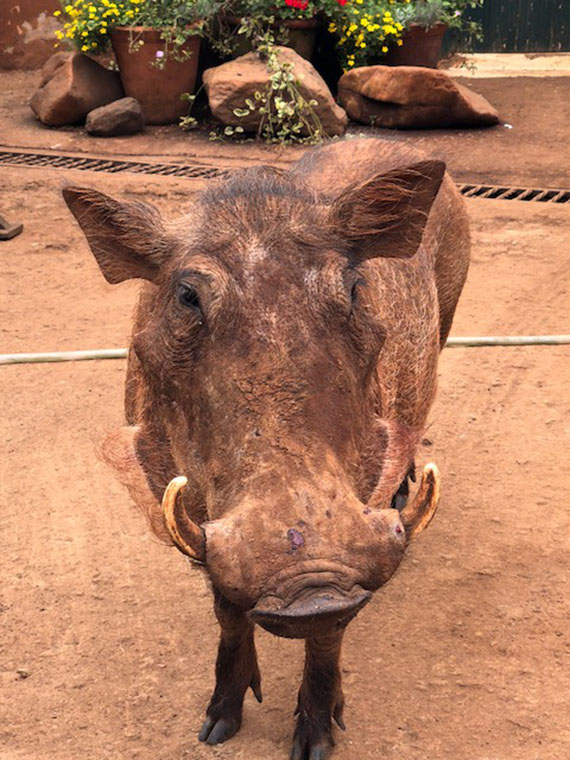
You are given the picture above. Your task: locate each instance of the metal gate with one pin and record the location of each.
(523, 26)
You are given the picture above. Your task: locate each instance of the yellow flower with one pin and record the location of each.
(84, 48)
(384, 49)
(57, 13)
(399, 42)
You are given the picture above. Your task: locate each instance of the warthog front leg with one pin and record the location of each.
(236, 670)
(320, 698)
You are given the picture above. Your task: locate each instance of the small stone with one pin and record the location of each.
(22, 674)
(122, 117)
(229, 85)
(73, 85)
(409, 97)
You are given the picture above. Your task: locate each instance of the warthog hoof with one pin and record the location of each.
(218, 730)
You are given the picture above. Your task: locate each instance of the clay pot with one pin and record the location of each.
(158, 90)
(421, 46)
(302, 33)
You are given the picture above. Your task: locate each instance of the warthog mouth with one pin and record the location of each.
(317, 611)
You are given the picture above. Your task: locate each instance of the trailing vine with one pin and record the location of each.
(286, 116)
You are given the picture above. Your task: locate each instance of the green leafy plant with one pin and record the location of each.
(88, 23)
(427, 13)
(365, 30)
(286, 116)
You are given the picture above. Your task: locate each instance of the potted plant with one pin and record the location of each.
(156, 45)
(364, 30)
(425, 23)
(293, 22)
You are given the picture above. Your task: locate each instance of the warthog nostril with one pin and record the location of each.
(312, 614)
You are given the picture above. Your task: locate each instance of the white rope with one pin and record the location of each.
(509, 340)
(64, 356)
(121, 353)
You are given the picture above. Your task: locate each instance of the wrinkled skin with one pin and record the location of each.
(284, 360)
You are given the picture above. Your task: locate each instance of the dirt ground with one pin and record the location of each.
(108, 639)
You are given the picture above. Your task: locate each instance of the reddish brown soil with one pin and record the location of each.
(108, 638)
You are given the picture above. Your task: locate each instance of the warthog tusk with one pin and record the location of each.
(419, 513)
(187, 536)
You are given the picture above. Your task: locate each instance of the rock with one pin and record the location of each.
(411, 96)
(73, 85)
(121, 117)
(230, 84)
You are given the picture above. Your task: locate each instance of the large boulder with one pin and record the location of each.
(230, 84)
(121, 117)
(72, 85)
(411, 96)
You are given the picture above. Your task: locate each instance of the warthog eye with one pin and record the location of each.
(188, 297)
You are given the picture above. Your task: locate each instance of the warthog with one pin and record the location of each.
(282, 367)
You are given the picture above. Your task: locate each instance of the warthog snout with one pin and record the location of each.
(320, 611)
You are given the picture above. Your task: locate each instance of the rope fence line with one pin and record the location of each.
(121, 353)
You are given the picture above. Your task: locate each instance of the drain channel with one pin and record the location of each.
(102, 165)
(51, 160)
(514, 193)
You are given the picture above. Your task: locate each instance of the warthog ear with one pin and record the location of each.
(127, 239)
(386, 215)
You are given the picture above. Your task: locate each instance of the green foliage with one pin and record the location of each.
(88, 23)
(429, 12)
(365, 31)
(286, 117)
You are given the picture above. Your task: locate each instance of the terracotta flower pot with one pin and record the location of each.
(158, 90)
(302, 33)
(421, 46)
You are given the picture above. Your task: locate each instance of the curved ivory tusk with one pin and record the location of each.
(419, 513)
(187, 536)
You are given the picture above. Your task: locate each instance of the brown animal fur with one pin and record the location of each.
(284, 358)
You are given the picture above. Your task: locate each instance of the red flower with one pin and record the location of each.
(341, 2)
(290, 3)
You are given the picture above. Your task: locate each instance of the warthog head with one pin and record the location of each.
(256, 359)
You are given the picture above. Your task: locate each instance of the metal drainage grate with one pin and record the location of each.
(21, 158)
(514, 193)
(102, 165)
